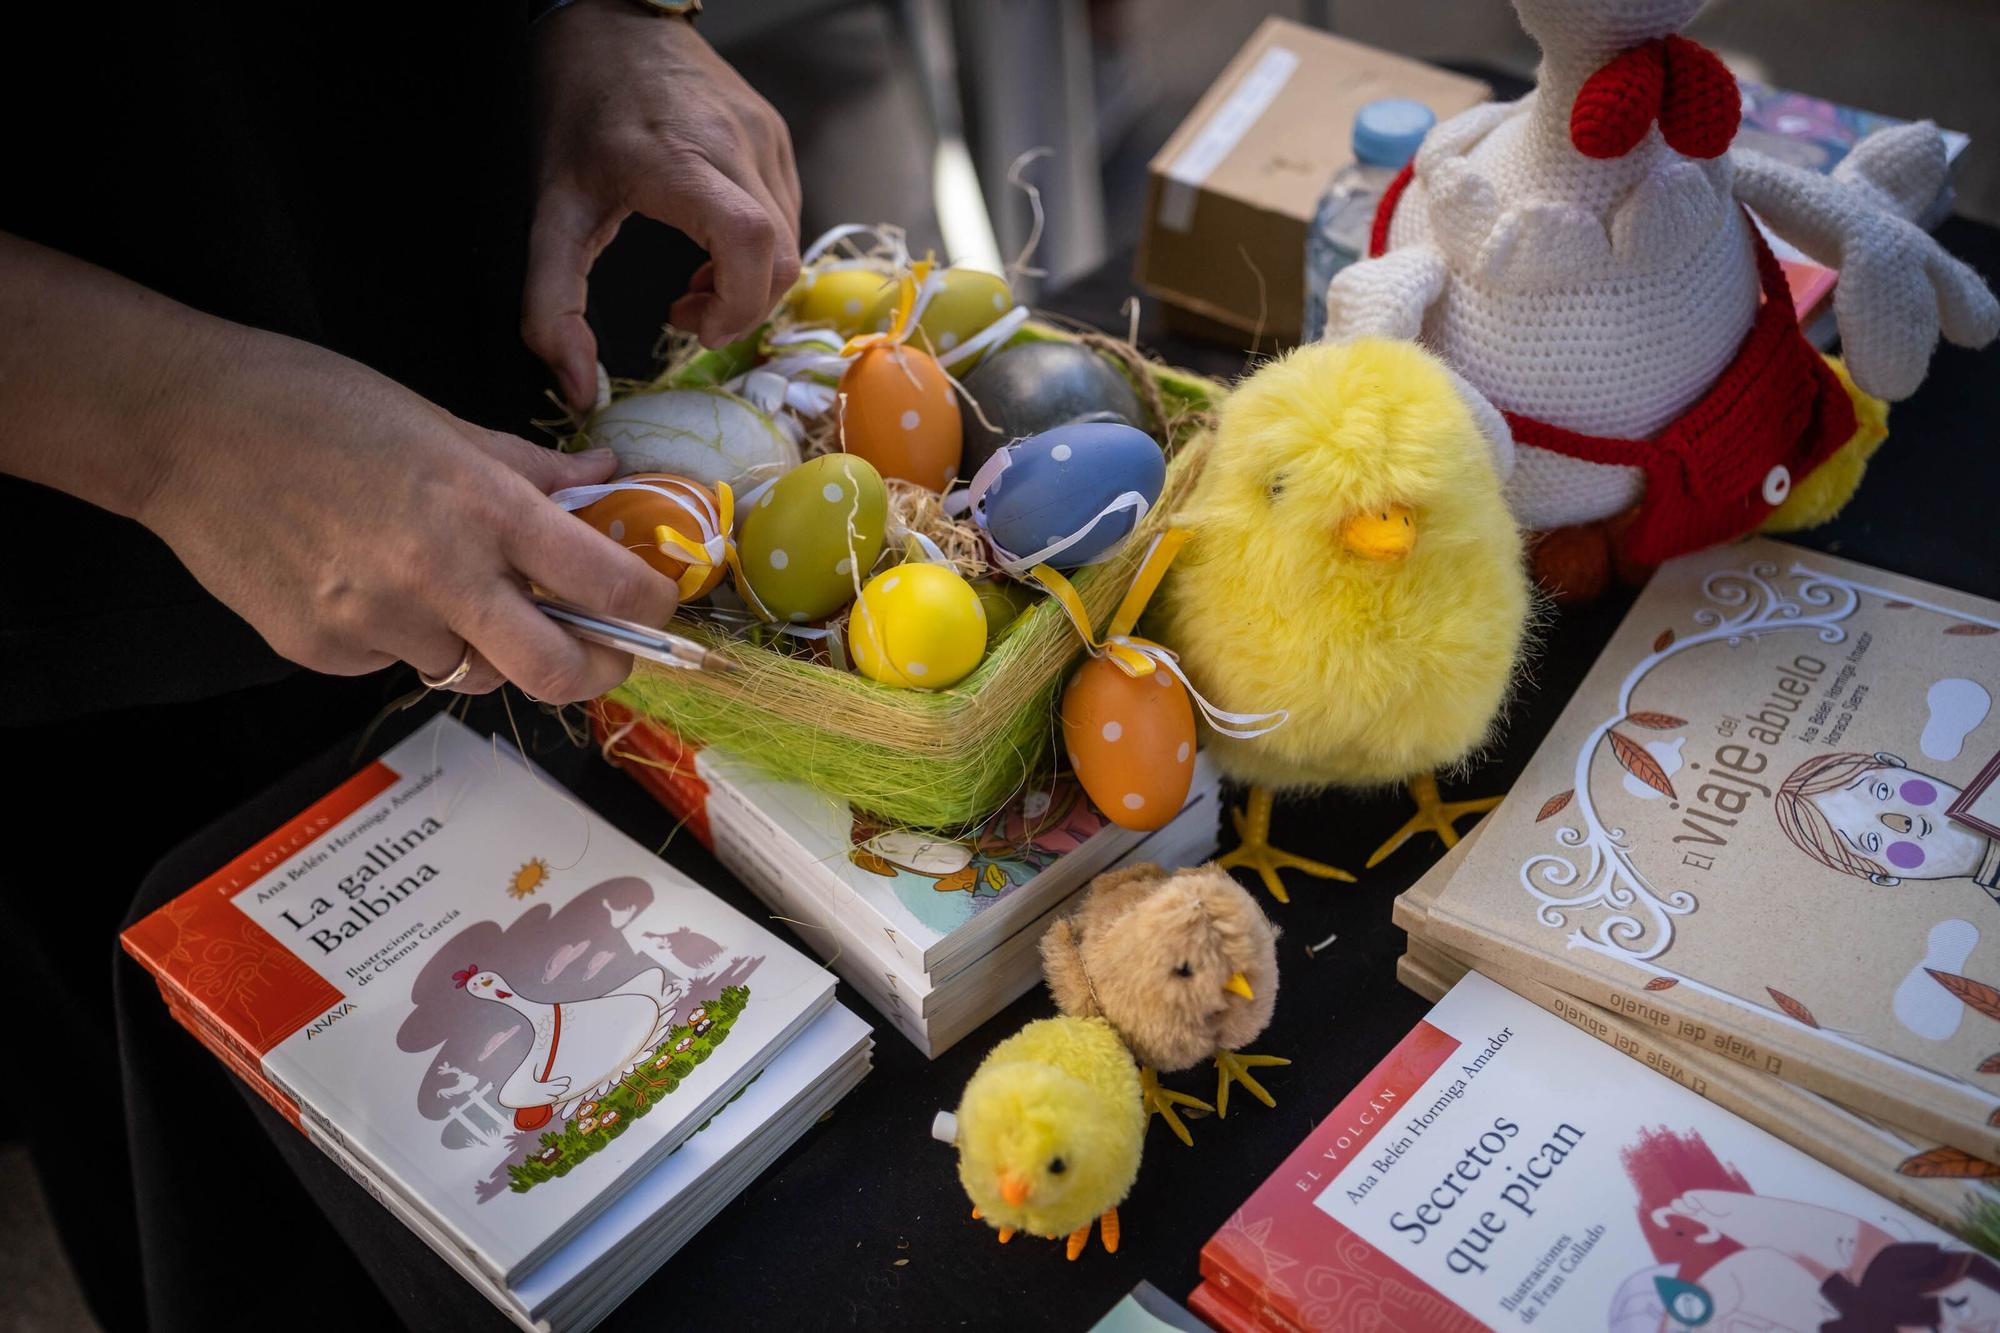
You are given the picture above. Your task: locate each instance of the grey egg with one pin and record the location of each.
(1036, 386)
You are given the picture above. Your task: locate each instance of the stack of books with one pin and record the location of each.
(1816, 134)
(1500, 1169)
(938, 933)
(547, 1053)
(1758, 853)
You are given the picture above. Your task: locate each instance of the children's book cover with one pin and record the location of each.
(915, 888)
(1740, 832)
(1502, 1170)
(478, 986)
(1812, 132)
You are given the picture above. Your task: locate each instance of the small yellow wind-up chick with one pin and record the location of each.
(1354, 563)
(1183, 965)
(1049, 1132)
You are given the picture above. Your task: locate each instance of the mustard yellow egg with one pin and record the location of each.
(841, 299)
(969, 301)
(1131, 742)
(919, 626)
(901, 414)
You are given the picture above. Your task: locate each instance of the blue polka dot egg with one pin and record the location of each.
(1061, 485)
(808, 542)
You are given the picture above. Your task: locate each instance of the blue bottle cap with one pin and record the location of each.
(1388, 132)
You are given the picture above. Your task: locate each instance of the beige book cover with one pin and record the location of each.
(1738, 834)
(1946, 1185)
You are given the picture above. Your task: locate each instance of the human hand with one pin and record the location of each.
(353, 524)
(635, 113)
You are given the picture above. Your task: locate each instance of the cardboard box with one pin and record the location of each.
(1233, 191)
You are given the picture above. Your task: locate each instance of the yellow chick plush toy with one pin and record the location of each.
(1183, 964)
(1353, 562)
(1049, 1132)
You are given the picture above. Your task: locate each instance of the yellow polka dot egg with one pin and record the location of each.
(919, 626)
(808, 541)
(840, 298)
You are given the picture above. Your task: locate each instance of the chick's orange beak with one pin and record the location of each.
(1238, 984)
(1013, 1188)
(1387, 533)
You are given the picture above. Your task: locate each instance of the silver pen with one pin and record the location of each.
(629, 636)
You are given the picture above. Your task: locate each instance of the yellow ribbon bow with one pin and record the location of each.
(1138, 657)
(714, 549)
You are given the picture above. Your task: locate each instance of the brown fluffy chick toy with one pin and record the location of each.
(1352, 562)
(1183, 965)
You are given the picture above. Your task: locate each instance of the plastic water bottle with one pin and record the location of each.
(1386, 136)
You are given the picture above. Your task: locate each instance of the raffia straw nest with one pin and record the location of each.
(935, 760)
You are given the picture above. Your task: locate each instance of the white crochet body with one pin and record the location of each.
(1605, 296)
(1601, 297)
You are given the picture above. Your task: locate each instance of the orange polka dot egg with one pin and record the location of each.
(1131, 742)
(899, 411)
(647, 501)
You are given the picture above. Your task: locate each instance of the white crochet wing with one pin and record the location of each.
(1898, 288)
(1387, 296)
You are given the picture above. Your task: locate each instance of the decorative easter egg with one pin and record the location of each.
(805, 540)
(917, 625)
(1004, 601)
(1057, 482)
(901, 414)
(632, 518)
(1036, 386)
(706, 435)
(1131, 741)
(838, 298)
(969, 300)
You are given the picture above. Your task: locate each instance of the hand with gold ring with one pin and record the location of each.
(457, 674)
(352, 523)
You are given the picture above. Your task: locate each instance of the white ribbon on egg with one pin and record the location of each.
(972, 499)
(711, 546)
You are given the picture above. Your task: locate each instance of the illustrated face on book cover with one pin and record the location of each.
(1761, 795)
(945, 882)
(554, 1032)
(1729, 1257)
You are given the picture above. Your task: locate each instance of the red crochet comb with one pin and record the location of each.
(458, 979)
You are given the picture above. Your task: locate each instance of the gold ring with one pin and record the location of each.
(460, 672)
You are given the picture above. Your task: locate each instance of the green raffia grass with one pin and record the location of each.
(934, 760)
(1980, 1225)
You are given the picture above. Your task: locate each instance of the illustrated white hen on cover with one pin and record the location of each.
(1585, 259)
(581, 1048)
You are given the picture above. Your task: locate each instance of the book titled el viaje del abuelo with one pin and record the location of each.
(1765, 825)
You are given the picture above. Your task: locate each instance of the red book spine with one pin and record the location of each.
(247, 988)
(657, 760)
(1219, 1312)
(1291, 1265)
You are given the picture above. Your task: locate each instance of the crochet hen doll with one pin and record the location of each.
(1584, 258)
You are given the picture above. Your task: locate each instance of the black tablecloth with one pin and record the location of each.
(863, 1223)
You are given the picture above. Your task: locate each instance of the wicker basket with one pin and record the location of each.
(936, 760)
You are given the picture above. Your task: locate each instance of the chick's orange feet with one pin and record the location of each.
(1433, 815)
(1235, 1067)
(1107, 1231)
(1254, 849)
(1162, 1101)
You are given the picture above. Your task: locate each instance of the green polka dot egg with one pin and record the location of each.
(969, 300)
(810, 539)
